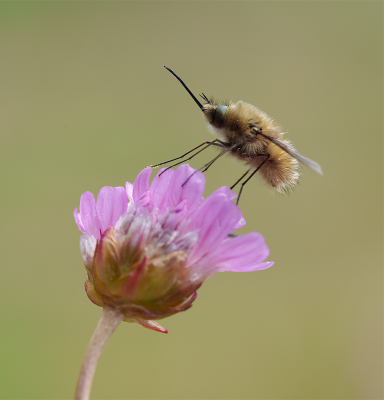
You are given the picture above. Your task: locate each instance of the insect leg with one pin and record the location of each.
(223, 144)
(178, 158)
(206, 166)
(193, 155)
(240, 178)
(253, 173)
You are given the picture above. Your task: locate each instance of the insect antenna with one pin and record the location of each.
(253, 173)
(185, 87)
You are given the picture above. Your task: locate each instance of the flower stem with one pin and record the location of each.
(109, 320)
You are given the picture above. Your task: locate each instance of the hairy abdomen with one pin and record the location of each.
(281, 171)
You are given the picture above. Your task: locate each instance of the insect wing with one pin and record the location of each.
(314, 166)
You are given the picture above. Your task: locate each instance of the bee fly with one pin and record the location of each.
(250, 135)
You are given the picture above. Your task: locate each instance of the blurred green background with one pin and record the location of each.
(86, 102)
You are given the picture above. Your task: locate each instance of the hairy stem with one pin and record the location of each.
(107, 324)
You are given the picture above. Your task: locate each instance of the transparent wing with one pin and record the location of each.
(314, 166)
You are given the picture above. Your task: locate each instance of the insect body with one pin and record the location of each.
(250, 135)
(240, 126)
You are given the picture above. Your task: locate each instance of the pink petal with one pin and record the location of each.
(78, 220)
(160, 189)
(240, 223)
(193, 189)
(88, 215)
(129, 190)
(111, 205)
(231, 195)
(227, 192)
(176, 217)
(242, 254)
(145, 199)
(215, 218)
(141, 184)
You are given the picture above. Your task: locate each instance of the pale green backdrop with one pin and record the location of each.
(85, 102)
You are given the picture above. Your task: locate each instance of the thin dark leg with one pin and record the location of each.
(240, 179)
(193, 155)
(178, 158)
(206, 166)
(211, 162)
(205, 169)
(253, 173)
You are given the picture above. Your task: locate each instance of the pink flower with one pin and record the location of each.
(147, 258)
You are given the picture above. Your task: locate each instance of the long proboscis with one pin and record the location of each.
(313, 165)
(185, 86)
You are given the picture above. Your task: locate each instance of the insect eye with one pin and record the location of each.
(220, 114)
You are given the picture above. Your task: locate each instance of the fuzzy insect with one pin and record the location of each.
(250, 135)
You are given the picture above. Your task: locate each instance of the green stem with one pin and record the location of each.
(107, 324)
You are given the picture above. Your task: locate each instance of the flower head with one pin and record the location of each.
(147, 258)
